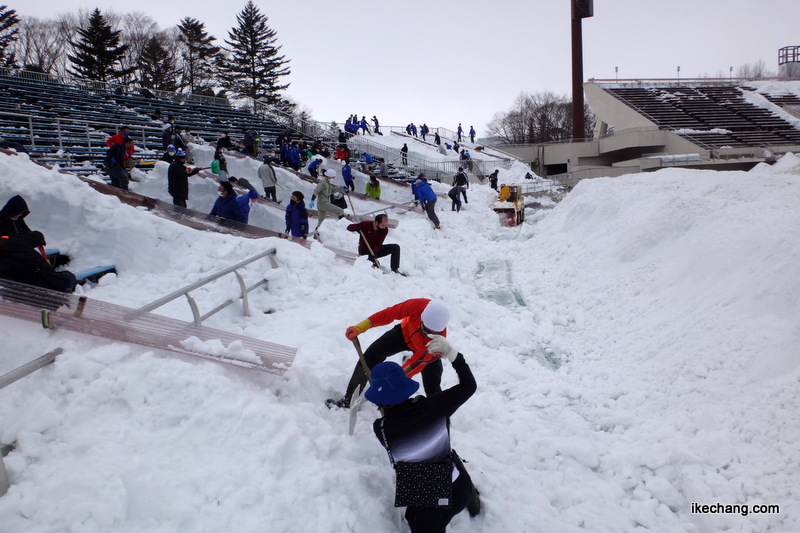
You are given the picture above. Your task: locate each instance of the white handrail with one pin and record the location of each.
(244, 290)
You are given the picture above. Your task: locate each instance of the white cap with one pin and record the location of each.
(435, 316)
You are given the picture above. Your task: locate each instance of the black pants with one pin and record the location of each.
(435, 519)
(269, 192)
(119, 178)
(389, 249)
(388, 344)
(430, 209)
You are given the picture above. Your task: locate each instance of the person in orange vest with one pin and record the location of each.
(420, 319)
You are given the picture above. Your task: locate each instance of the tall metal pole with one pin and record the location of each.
(578, 124)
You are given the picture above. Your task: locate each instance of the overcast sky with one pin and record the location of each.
(443, 62)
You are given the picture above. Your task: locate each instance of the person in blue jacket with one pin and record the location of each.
(368, 163)
(244, 201)
(364, 126)
(297, 216)
(226, 205)
(294, 156)
(427, 198)
(459, 131)
(347, 175)
(313, 167)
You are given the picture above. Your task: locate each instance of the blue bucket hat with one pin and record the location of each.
(389, 384)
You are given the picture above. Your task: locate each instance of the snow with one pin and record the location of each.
(635, 347)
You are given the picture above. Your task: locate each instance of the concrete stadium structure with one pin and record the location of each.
(645, 125)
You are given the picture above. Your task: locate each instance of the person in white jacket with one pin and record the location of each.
(323, 192)
(268, 179)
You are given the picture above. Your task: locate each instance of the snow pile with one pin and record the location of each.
(635, 349)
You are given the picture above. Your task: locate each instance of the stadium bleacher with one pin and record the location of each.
(712, 116)
(68, 124)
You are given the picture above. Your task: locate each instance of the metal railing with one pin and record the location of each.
(30, 124)
(244, 289)
(11, 377)
(434, 170)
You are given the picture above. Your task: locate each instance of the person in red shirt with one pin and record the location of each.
(119, 138)
(373, 232)
(420, 319)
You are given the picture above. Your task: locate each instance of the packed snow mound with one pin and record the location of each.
(635, 350)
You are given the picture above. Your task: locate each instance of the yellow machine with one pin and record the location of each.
(510, 205)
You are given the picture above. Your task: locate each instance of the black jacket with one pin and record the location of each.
(418, 430)
(178, 180)
(20, 261)
(15, 206)
(116, 155)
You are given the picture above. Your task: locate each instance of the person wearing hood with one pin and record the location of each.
(420, 318)
(168, 133)
(12, 216)
(245, 200)
(431, 479)
(226, 205)
(20, 261)
(323, 192)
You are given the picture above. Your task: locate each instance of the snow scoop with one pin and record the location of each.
(358, 399)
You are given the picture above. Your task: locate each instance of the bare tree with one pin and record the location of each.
(137, 30)
(537, 118)
(66, 25)
(40, 45)
(757, 71)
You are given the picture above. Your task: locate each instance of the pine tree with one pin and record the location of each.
(8, 34)
(254, 67)
(157, 69)
(199, 55)
(98, 51)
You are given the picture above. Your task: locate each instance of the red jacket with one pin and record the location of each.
(117, 139)
(374, 236)
(410, 315)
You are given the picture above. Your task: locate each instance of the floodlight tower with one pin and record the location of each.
(580, 9)
(789, 60)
